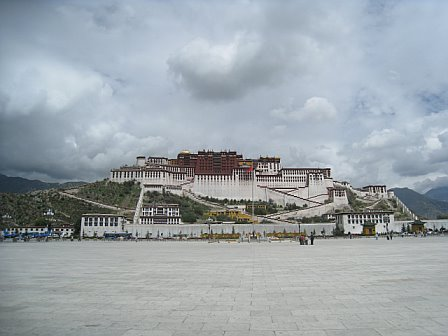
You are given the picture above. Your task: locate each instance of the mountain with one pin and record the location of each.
(439, 194)
(21, 185)
(422, 205)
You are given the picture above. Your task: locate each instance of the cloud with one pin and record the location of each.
(46, 85)
(428, 184)
(406, 152)
(86, 86)
(314, 109)
(385, 138)
(226, 71)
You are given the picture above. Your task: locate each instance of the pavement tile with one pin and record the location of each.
(226, 326)
(178, 326)
(338, 287)
(300, 333)
(353, 332)
(136, 332)
(416, 331)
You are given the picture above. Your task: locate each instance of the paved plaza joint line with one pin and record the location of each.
(336, 287)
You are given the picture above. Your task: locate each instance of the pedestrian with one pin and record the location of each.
(312, 238)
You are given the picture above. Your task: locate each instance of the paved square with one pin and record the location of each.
(336, 287)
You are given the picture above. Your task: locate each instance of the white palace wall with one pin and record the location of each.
(266, 188)
(148, 176)
(223, 186)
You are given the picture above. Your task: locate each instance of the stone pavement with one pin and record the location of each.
(336, 287)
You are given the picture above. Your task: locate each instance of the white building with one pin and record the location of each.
(160, 214)
(95, 225)
(61, 230)
(354, 222)
(378, 191)
(152, 215)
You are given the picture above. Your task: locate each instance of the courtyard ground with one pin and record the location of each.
(336, 287)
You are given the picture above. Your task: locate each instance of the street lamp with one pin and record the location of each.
(387, 221)
(209, 232)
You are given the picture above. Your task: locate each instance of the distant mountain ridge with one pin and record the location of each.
(20, 185)
(439, 194)
(422, 205)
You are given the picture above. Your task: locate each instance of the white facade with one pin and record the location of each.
(298, 186)
(378, 191)
(268, 166)
(160, 214)
(353, 221)
(95, 225)
(160, 175)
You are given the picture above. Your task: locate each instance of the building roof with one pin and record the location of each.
(102, 215)
(365, 212)
(160, 205)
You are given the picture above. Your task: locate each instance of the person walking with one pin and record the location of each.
(312, 238)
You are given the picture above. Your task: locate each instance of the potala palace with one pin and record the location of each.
(227, 175)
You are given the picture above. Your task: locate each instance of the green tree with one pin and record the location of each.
(188, 217)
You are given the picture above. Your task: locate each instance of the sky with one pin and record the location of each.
(358, 86)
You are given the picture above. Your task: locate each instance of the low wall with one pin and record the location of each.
(195, 230)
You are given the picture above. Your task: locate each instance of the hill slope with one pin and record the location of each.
(28, 209)
(422, 205)
(439, 194)
(19, 185)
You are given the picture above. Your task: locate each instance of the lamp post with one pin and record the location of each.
(387, 221)
(209, 232)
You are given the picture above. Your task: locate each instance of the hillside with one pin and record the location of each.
(439, 194)
(21, 185)
(28, 209)
(363, 204)
(122, 195)
(421, 205)
(125, 195)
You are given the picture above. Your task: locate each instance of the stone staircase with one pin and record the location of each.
(139, 205)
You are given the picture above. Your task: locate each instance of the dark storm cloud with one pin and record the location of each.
(359, 86)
